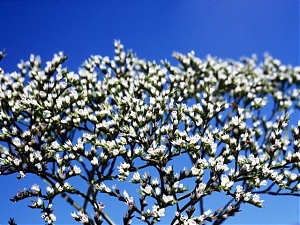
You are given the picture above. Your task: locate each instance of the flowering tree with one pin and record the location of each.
(128, 120)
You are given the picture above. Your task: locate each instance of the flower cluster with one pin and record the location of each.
(177, 133)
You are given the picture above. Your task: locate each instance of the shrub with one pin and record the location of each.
(177, 133)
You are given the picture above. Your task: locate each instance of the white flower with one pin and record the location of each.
(76, 169)
(67, 185)
(239, 189)
(50, 190)
(147, 189)
(212, 161)
(17, 161)
(17, 142)
(263, 183)
(157, 211)
(52, 217)
(49, 218)
(155, 181)
(136, 176)
(221, 167)
(58, 187)
(123, 167)
(157, 191)
(254, 160)
(200, 190)
(115, 152)
(167, 198)
(225, 182)
(39, 202)
(161, 212)
(94, 161)
(168, 170)
(84, 218)
(195, 171)
(293, 176)
(256, 199)
(22, 174)
(35, 188)
(176, 184)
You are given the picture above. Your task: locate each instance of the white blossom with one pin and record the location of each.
(147, 189)
(94, 161)
(35, 188)
(76, 169)
(167, 198)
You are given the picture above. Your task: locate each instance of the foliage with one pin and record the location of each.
(128, 120)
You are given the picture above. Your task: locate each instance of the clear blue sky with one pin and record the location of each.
(153, 29)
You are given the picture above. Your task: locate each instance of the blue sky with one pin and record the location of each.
(154, 30)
